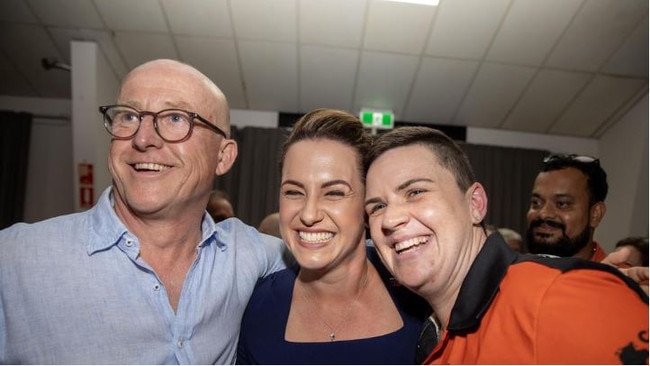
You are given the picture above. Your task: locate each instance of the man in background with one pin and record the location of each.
(512, 238)
(270, 224)
(637, 251)
(566, 206)
(219, 206)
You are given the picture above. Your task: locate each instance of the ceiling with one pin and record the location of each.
(560, 67)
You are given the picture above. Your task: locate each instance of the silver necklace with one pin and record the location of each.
(346, 314)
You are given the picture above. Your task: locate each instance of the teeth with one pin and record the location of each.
(315, 237)
(150, 166)
(413, 242)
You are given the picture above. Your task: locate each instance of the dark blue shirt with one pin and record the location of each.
(262, 332)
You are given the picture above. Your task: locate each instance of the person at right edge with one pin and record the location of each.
(426, 216)
(566, 206)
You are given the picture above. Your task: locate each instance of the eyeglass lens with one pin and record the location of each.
(124, 122)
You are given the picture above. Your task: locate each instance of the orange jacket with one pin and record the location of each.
(515, 309)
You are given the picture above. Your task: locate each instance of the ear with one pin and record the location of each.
(227, 155)
(596, 213)
(477, 202)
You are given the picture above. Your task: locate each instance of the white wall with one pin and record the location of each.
(93, 84)
(624, 156)
(245, 118)
(107, 84)
(557, 144)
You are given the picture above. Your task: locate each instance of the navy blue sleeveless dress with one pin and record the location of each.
(263, 326)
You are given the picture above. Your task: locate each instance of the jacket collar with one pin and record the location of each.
(481, 283)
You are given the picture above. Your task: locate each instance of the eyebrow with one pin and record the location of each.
(400, 188)
(409, 182)
(371, 201)
(553, 196)
(324, 185)
(335, 182)
(563, 195)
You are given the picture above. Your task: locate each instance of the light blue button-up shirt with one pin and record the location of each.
(73, 290)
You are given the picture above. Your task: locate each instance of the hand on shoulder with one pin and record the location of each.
(619, 259)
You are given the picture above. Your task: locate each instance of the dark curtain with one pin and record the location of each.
(507, 175)
(253, 183)
(254, 180)
(14, 144)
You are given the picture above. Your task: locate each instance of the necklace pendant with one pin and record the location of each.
(332, 337)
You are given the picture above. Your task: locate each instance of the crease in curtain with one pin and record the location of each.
(14, 144)
(507, 174)
(253, 183)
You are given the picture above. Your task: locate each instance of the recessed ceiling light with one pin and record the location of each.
(420, 2)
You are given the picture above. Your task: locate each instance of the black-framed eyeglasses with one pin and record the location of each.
(586, 159)
(172, 125)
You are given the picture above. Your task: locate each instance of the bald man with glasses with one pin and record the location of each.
(145, 276)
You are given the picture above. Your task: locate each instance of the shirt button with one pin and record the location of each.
(156, 287)
(129, 243)
(180, 342)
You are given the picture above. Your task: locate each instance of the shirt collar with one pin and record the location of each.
(481, 283)
(210, 230)
(106, 229)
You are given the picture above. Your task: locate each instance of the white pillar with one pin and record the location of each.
(90, 142)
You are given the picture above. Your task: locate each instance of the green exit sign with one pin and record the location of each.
(377, 119)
